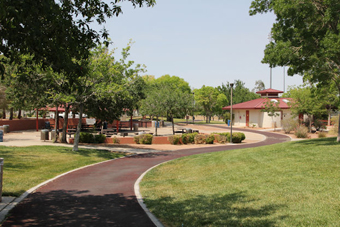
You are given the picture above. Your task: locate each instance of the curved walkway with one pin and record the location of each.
(103, 194)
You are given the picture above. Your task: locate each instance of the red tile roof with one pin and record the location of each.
(259, 104)
(271, 91)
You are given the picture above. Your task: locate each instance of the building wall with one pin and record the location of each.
(260, 119)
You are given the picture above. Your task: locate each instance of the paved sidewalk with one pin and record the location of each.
(103, 194)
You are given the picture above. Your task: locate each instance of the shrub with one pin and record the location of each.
(210, 139)
(238, 137)
(185, 138)
(99, 138)
(289, 125)
(319, 125)
(86, 137)
(136, 139)
(145, 139)
(116, 140)
(301, 131)
(322, 134)
(191, 137)
(174, 140)
(200, 139)
(222, 139)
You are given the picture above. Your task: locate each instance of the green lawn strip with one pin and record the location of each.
(288, 184)
(26, 167)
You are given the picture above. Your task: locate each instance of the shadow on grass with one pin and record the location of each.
(328, 141)
(149, 155)
(213, 210)
(102, 153)
(77, 208)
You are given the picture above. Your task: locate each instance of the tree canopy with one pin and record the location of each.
(55, 32)
(305, 37)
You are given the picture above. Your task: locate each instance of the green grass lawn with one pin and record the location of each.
(288, 184)
(178, 120)
(26, 167)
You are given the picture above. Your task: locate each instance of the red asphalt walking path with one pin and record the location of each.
(103, 194)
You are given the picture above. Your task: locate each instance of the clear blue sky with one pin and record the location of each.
(203, 42)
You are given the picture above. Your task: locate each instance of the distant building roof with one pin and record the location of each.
(260, 103)
(269, 93)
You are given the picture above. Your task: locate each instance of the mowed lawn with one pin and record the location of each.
(288, 184)
(26, 167)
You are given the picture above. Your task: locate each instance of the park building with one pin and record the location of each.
(250, 113)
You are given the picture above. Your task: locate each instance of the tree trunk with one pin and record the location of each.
(11, 113)
(76, 138)
(156, 126)
(329, 118)
(173, 125)
(338, 138)
(63, 137)
(19, 114)
(56, 125)
(3, 113)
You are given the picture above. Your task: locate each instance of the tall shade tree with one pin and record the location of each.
(164, 98)
(102, 90)
(206, 98)
(305, 102)
(55, 32)
(259, 86)
(305, 37)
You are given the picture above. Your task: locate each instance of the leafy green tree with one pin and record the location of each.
(153, 105)
(259, 86)
(102, 91)
(170, 100)
(206, 98)
(272, 108)
(221, 101)
(55, 32)
(240, 92)
(305, 37)
(175, 82)
(305, 102)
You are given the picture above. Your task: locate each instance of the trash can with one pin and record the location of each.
(1, 136)
(188, 130)
(53, 134)
(6, 129)
(162, 123)
(44, 134)
(1, 176)
(47, 125)
(135, 127)
(105, 125)
(228, 122)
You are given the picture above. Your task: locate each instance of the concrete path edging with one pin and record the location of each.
(141, 200)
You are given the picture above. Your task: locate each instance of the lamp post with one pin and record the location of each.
(231, 113)
(193, 110)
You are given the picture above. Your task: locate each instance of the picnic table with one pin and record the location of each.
(186, 130)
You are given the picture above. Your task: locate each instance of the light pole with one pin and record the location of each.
(231, 113)
(193, 110)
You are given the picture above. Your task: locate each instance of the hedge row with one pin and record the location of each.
(190, 138)
(85, 137)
